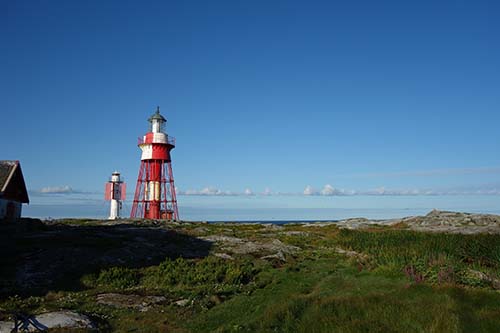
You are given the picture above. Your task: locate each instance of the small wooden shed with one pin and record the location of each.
(13, 191)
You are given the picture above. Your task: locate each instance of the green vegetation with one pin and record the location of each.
(318, 298)
(201, 275)
(179, 277)
(379, 280)
(435, 258)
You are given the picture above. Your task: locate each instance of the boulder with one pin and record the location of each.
(45, 321)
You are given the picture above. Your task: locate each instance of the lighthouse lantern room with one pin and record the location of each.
(155, 196)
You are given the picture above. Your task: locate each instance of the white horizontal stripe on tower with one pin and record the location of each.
(147, 151)
(159, 138)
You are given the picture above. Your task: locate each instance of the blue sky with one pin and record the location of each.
(376, 97)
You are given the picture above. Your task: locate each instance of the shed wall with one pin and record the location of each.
(10, 210)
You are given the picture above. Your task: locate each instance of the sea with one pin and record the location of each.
(273, 209)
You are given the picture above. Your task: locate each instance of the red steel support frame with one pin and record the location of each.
(172, 189)
(155, 175)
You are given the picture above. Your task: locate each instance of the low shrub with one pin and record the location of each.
(189, 274)
(119, 278)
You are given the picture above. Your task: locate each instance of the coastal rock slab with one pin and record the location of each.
(274, 246)
(223, 239)
(138, 302)
(454, 222)
(279, 255)
(223, 256)
(182, 302)
(45, 321)
(444, 218)
(435, 221)
(242, 246)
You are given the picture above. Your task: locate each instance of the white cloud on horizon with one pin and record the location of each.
(57, 189)
(248, 192)
(309, 190)
(328, 190)
(267, 191)
(466, 190)
(61, 190)
(207, 191)
(213, 191)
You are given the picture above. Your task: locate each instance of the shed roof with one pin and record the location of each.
(12, 185)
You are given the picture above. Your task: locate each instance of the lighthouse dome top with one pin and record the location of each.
(157, 116)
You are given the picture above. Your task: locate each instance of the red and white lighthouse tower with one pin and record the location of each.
(155, 191)
(115, 192)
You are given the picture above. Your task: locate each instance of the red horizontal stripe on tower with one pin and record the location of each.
(160, 152)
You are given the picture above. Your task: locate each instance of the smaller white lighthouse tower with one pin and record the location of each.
(115, 192)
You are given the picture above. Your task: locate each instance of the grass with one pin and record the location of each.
(402, 281)
(437, 258)
(325, 295)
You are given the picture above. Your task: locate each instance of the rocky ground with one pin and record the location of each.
(435, 221)
(46, 321)
(44, 253)
(40, 257)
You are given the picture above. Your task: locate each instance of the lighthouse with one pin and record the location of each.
(155, 191)
(115, 192)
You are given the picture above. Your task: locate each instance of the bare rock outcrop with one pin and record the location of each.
(45, 321)
(242, 246)
(455, 222)
(435, 221)
(444, 218)
(138, 302)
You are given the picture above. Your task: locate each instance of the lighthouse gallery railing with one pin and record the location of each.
(170, 140)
